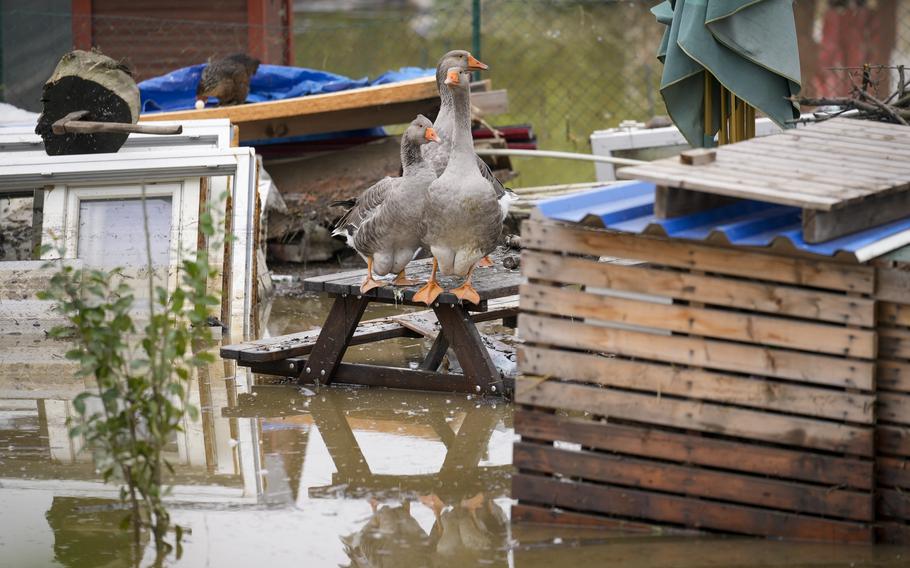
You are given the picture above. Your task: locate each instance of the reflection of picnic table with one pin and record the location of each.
(460, 476)
(316, 355)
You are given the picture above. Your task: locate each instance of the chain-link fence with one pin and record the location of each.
(570, 66)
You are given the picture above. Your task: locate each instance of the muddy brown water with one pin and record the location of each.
(275, 475)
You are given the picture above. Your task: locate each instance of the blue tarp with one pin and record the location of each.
(629, 207)
(177, 89)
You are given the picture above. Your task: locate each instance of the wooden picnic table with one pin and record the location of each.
(315, 356)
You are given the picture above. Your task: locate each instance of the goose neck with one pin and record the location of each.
(462, 140)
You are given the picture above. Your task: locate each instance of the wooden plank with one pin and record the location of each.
(892, 440)
(891, 313)
(892, 284)
(693, 481)
(821, 226)
(892, 533)
(533, 514)
(695, 449)
(297, 344)
(892, 375)
(736, 326)
(894, 504)
(672, 175)
(893, 343)
(779, 150)
(635, 504)
(894, 407)
(696, 415)
(892, 472)
(774, 155)
(352, 99)
(708, 353)
(698, 384)
(670, 202)
(769, 298)
(557, 237)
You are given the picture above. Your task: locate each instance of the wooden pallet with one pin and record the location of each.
(713, 389)
(846, 175)
(892, 460)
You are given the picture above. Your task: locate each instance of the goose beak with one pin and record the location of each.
(452, 78)
(475, 65)
(431, 135)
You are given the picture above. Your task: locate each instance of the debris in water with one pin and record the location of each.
(232, 442)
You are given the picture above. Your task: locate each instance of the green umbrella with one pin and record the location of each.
(730, 52)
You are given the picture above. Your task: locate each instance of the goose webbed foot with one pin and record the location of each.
(485, 262)
(403, 280)
(369, 282)
(466, 292)
(431, 290)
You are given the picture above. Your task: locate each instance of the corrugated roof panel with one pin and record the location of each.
(629, 207)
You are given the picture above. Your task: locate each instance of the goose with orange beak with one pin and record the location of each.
(438, 154)
(463, 212)
(386, 224)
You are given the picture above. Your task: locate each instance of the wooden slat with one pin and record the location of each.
(556, 237)
(893, 343)
(698, 384)
(784, 149)
(894, 504)
(769, 298)
(892, 533)
(891, 313)
(631, 503)
(712, 354)
(695, 449)
(774, 155)
(736, 326)
(822, 226)
(892, 375)
(522, 513)
(894, 407)
(892, 440)
(696, 415)
(892, 284)
(892, 472)
(693, 481)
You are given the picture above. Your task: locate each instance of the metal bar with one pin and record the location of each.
(475, 33)
(559, 155)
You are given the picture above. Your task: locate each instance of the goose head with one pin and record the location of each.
(457, 58)
(458, 79)
(420, 131)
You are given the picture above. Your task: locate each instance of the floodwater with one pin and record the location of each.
(276, 475)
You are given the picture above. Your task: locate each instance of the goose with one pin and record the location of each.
(386, 223)
(438, 154)
(464, 219)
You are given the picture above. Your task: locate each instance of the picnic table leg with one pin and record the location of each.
(340, 441)
(436, 353)
(333, 340)
(462, 335)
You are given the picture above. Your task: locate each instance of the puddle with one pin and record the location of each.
(276, 475)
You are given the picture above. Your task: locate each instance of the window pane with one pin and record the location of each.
(111, 234)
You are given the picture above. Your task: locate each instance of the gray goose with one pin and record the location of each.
(386, 223)
(463, 215)
(438, 154)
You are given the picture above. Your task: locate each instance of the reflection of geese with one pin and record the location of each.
(473, 528)
(390, 538)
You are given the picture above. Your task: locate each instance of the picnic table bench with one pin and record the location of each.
(315, 356)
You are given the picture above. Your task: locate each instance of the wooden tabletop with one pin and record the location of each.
(822, 166)
(491, 283)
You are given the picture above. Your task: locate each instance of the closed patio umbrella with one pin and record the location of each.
(722, 60)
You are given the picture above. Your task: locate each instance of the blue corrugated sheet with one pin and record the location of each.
(629, 207)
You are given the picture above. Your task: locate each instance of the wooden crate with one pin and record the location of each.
(892, 456)
(700, 387)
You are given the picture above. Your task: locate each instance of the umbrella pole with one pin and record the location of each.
(709, 108)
